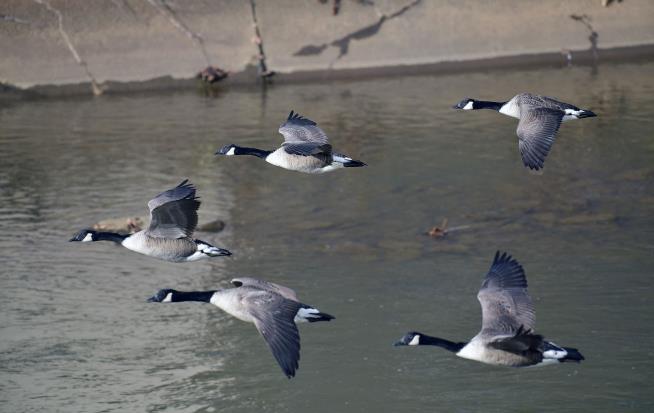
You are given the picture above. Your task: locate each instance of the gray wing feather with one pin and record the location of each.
(505, 304)
(299, 129)
(308, 149)
(536, 133)
(265, 285)
(173, 213)
(529, 101)
(274, 318)
(522, 340)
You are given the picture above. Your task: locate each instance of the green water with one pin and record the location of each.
(76, 332)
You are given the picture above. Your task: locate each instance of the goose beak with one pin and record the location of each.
(224, 150)
(153, 299)
(461, 104)
(587, 114)
(399, 343)
(79, 236)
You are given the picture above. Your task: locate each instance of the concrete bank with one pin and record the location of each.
(123, 44)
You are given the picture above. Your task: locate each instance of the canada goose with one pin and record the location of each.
(540, 118)
(173, 218)
(274, 310)
(507, 329)
(305, 149)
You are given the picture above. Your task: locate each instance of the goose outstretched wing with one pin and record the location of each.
(506, 307)
(173, 213)
(298, 129)
(536, 133)
(274, 318)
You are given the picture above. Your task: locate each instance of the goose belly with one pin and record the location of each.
(174, 250)
(299, 163)
(232, 303)
(478, 351)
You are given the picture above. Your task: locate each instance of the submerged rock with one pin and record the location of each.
(130, 225)
(212, 226)
(127, 225)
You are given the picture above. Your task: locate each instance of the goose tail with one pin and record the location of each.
(573, 355)
(211, 251)
(554, 352)
(309, 314)
(586, 114)
(347, 161)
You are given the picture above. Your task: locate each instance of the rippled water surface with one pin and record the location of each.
(76, 332)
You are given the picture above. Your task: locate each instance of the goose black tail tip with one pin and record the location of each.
(320, 317)
(573, 355)
(354, 164)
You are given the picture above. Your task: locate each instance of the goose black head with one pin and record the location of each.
(465, 104)
(85, 235)
(162, 296)
(409, 339)
(227, 150)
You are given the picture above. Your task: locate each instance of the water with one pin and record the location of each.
(76, 332)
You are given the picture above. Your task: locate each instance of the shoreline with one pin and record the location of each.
(248, 78)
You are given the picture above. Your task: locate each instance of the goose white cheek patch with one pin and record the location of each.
(415, 340)
(555, 354)
(168, 299)
(468, 106)
(88, 238)
(231, 151)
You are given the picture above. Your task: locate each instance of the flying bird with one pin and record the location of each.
(306, 148)
(173, 218)
(273, 309)
(539, 120)
(507, 336)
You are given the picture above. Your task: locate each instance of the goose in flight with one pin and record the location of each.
(173, 218)
(306, 148)
(507, 335)
(274, 310)
(539, 120)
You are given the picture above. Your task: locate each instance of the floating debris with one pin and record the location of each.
(213, 226)
(440, 231)
(443, 230)
(212, 74)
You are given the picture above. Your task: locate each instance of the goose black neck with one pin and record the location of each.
(259, 153)
(446, 344)
(203, 296)
(483, 104)
(109, 236)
